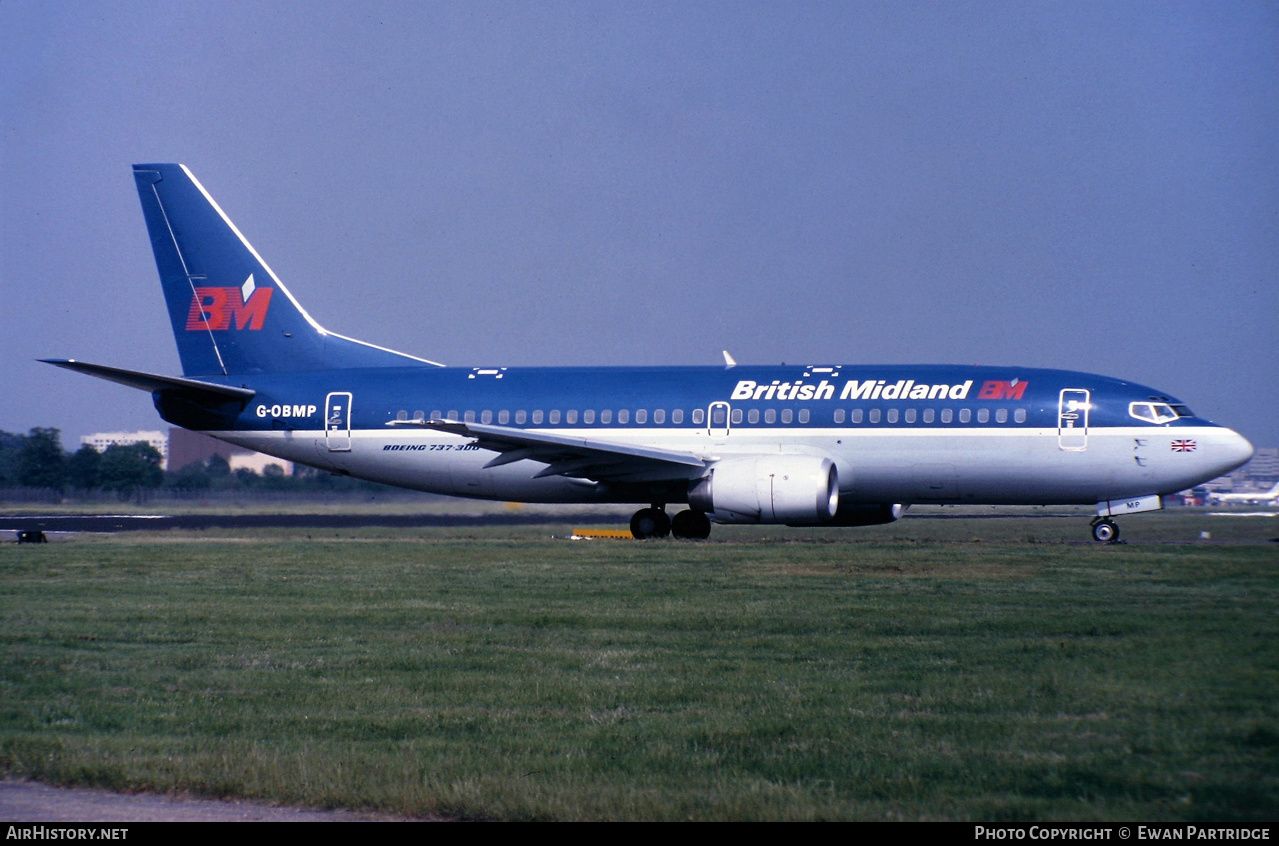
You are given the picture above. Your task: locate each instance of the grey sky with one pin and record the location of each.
(1092, 186)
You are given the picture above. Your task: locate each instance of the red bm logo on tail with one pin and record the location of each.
(220, 308)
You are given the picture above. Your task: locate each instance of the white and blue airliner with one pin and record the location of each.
(818, 445)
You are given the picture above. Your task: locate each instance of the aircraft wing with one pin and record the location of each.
(582, 458)
(195, 389)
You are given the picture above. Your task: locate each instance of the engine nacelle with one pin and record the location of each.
(768, 489)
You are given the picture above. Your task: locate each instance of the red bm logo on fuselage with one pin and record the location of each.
(1014, 390)
(221, 308)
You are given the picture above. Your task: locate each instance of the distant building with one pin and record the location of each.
(187, 447)
(101, 440)
(1264, 465)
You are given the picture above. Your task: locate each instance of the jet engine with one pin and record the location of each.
(768, 489)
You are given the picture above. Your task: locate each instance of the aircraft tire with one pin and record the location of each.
(691, 525)
(1105, 531)
(650, 523)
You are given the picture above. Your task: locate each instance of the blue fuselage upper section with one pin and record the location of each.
(887, 396)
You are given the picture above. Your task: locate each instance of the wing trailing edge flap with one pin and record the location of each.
(204, 393)
(582, 458)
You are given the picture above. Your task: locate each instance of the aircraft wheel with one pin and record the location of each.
(650, 523)
(691, 525)
(1105, 531)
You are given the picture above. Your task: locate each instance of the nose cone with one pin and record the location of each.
(1230, 450)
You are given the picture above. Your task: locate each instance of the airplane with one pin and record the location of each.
(1253, 498)
(814, 445)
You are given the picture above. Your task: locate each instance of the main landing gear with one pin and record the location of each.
(652, 522)
(1104, 530)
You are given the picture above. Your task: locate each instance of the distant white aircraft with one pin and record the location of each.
(1251, 498)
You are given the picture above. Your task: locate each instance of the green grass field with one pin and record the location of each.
(945, 669)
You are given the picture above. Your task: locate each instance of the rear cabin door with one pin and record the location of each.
(337, 422)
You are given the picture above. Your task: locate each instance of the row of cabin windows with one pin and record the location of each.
(947, 415)
(769, 415)
(554, 416)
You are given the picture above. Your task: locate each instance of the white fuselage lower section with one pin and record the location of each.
(1013, 466)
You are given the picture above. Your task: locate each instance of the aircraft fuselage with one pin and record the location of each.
(931, 434)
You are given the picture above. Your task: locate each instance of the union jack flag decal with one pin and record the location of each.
(1184, 446)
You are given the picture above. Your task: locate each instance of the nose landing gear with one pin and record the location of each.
(1104, 530)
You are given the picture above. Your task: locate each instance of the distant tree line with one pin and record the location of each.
(37, 461)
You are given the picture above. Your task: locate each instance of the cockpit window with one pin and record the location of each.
(1154, 412)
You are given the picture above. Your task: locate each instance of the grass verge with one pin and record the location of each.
(503, 675)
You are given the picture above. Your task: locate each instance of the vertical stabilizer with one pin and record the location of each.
(230, 313)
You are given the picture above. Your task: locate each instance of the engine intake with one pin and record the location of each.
(769, 489)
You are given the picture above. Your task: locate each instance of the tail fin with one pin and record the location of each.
(231, 315)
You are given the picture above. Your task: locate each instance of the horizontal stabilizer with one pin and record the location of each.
(195, 389)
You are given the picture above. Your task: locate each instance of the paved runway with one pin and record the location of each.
(152, 522)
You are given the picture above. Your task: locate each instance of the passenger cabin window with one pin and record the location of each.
(641, 415)
(1152, 412)
(753, 415)
(623, 416)
(588, 416)
(698, 416)
(521, 416)
(770, 415)
(874, 415)
(677, 416)
(1020, 415)
(839, 415)
(659, 416)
